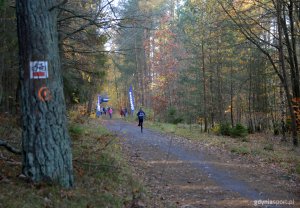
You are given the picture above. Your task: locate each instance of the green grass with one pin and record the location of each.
(269, 147)
(189, 131)
(241, 150)
(76, 129)
(297, 168)
(263, 146)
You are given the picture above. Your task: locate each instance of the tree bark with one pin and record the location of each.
(90, 101)
(250, 121)
(204, 88)
(282, 65)
(282, 116)
(290, 43)
(45, 140)
(231, 96)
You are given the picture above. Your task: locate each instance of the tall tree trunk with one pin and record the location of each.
(212, 114)
(294, 48)
(282, 65)
(231, 96)
(117, 86)
(250, 121)
(204, 88)
(45, 139)
(282, 116)
(139, 74)
(290, 43)
(90, 99)
(146, 66)
(2, 57)
(219, 95)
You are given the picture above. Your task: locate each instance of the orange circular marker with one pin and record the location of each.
(44, 94)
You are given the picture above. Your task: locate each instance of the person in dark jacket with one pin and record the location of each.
(141, 115)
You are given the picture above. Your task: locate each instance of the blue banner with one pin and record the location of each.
(102, 99)
(98, 108)
(131, 98)
(99, 100)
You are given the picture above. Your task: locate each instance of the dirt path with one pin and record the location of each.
(183, 173)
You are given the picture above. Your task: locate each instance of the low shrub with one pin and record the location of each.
(269, 147)
(298, 168)
(149, 114)
(173, 117)
(241, 150)
(76, 131)
(225, 129)
(238, 131)
(177, 120)
(216, 129)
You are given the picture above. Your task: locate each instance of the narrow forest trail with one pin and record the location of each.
(183, 173)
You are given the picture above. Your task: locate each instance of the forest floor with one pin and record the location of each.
(129, 169)
(181, 172)
(103, 178)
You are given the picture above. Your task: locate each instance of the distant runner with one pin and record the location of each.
(110, 111)
(141, 114)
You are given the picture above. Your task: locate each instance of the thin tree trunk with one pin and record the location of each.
(231, 96)
(2, 58)
(250, 125)
(204, 88)
(116, 86)
(281, 61)
(294, 44)
(219, 97)
(212, 114)
(282, 110)
(139, 83)
(90, 100)
(290, 43)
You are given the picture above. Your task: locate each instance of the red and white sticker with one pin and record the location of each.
(38, 69)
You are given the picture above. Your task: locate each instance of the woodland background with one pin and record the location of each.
(206, 62)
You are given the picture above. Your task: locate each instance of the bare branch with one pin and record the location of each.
(58, 5)
(9, 147)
